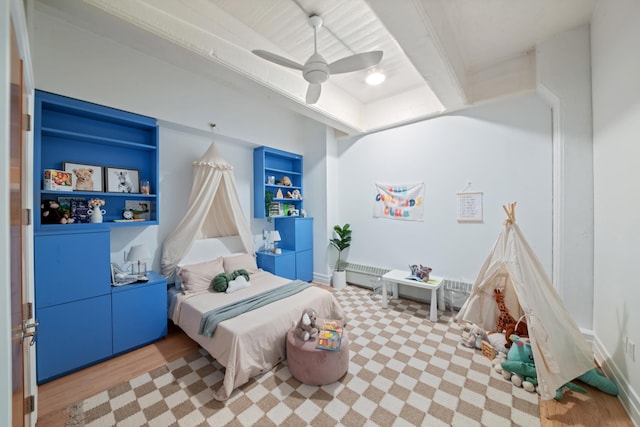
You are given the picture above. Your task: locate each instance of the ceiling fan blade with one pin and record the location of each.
(313, 93)
(277, 59)
(356, 62)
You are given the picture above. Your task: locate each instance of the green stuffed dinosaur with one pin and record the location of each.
(521, 369)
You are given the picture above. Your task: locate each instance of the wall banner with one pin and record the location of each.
(403, 202)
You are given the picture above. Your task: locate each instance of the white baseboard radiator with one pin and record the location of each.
(368, 276)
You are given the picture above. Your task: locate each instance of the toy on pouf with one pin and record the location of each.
(520, 368)
(307, 327)
(475, 338)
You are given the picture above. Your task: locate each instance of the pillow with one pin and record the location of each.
(198, 277)
(240, 262)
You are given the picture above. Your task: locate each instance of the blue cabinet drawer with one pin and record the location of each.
(71, 267)
(72, 336)
(296, 233)
(139, 313)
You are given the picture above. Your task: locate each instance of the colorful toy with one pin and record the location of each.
(307, 328)
(220, 283)
(422, 272)
(521, 370)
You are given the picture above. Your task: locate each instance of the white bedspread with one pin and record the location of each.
(253, 342)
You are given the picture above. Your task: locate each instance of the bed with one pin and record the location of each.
(253, 342)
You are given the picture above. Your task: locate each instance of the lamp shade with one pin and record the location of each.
(137, 253)
(274, 236)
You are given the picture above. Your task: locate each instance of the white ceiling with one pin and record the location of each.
(439, 55)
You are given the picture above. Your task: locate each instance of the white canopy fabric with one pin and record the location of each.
(213, 210)
(560, 351)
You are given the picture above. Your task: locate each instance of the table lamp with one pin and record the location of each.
(274, 237)
(136, 254)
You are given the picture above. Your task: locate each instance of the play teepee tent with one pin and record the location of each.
(213, 210)
(560, 352)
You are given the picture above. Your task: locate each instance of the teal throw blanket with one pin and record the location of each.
(211, 319)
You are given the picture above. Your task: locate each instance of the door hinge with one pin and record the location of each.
(29, 404)
(27, 216)
(27, 310)
(27, 122)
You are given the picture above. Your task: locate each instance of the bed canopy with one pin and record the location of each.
(213, 210)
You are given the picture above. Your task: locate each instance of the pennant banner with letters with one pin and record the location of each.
(403, 202)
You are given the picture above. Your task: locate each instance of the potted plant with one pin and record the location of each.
(341, 242)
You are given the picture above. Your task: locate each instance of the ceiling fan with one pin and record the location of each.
(316, 70)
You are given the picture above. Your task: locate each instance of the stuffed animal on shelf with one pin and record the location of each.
(306, 328)
(475, 338)
(50, 213)
(286, 181)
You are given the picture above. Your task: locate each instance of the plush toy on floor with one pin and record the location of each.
(475, 338)
(306, 328)
(520, 368)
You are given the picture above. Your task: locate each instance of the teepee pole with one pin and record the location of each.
(510, 209)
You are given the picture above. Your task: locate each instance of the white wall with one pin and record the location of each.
(564, 78)
(77, 63)
(615, 38)
(503, 149)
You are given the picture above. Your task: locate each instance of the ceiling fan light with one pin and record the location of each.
(375, 78)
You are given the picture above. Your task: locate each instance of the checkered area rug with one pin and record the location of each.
(404, 371)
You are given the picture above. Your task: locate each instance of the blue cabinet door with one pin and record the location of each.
(72, 336)
(296, 233)
(304, 265)
(71, 267)
(139, 313)
(283, 265)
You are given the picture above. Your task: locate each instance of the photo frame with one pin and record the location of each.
(122, 180)
(141, 209)
(84, 177)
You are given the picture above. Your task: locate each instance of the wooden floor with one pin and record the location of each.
(592, 409)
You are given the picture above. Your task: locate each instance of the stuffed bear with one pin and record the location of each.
(50, 212)
(306, 327)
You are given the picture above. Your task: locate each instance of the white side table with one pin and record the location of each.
(399, 276)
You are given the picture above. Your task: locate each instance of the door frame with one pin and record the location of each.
(14, 13)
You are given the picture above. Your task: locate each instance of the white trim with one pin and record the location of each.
(557, 140)
(627, 394)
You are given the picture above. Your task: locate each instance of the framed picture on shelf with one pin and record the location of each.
(140, 208)
(122, 180)
(84, 177)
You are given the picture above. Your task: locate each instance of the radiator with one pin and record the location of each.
(368, 276)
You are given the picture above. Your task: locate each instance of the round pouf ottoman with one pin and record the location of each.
(314, 366)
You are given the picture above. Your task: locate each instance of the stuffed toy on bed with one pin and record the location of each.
(306, 328)
(231, 282)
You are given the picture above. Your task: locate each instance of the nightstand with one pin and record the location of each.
(139, 313)
(283, 265)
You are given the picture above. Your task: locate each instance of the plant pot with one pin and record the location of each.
(339, 279)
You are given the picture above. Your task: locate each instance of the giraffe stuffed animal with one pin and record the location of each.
(505, 321)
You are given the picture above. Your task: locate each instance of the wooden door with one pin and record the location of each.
(16, 221)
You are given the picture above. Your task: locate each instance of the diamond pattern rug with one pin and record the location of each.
(404, 371)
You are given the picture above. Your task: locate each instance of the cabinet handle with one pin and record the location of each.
(26, 333)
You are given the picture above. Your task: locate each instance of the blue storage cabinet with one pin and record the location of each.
(73, 301)
(75, 131)
(283, 265)
(82, 318)
(139, 313)
(270, 162)
(297, 236)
